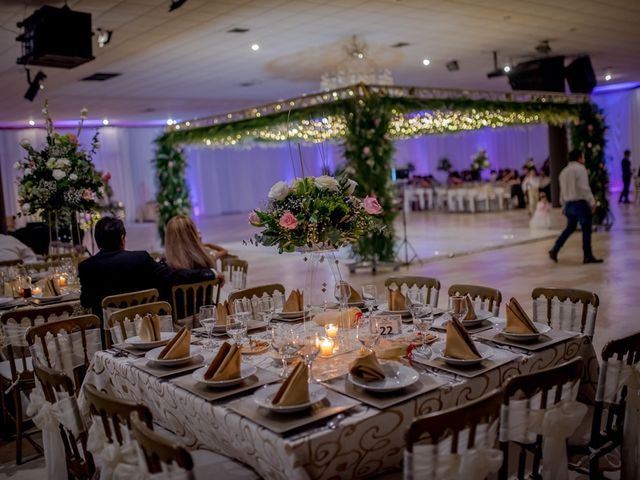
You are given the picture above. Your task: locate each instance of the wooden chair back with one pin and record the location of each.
(431, 285)
(120, 318)
(39, 334)
(579, 314)
(157, 450)
(129, 299)
(434, 427)
(15, 324)
(80, 462)
(114, 413)
(485, 297)
(235, 271)
(258, 292)
(550, 385)
(187, 299)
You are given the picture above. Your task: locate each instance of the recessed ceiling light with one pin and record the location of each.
(255, 47)
(426, 62)
(608, 77)
(105, 122)
(170, 121)
(506, 68)
(31, 123)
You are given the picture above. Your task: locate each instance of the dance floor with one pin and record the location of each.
(493, 249)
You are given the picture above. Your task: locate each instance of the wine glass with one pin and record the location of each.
(342, 292)
(458, 306)
(237, 327)
(369, 297)
(422, 320)
(282, 342)
(267, 308)
(309, 348)
(207, 318)
(242, 305)
(367, 339)
(415, 302)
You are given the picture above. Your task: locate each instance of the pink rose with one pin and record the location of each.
(366, 151)
(87, 194)
(73, 140)
(106, 177)
(254, 220)
(372, 206)
(288, 221)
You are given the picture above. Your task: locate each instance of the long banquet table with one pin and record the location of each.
(367, 442)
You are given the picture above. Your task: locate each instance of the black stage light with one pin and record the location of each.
(34, 85)
(453, 66)
(176, 4)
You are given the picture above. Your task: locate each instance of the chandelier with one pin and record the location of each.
(355, 67)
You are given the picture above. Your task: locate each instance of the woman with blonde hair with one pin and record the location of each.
(183, 247)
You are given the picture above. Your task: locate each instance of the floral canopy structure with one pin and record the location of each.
(365, 120)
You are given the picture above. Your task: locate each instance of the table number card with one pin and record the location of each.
(386, 324)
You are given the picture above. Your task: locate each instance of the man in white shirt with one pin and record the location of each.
(13, 249)
(579, 205)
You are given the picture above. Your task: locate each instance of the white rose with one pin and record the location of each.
(325, 182)
(28, 171)
(351, 186)
(62, 162)
(73, 177)
(51, 163)
(26, 207)
(279, 191)
(17, 165)
(58, 174)
(24, 142)
(295, 183)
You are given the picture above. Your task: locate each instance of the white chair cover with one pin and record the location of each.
(565, 315)
(614, 375)
(48, 417)
(438, 463)
(522, 420)
(131, 327)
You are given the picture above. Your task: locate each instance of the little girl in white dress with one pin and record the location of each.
(541, 218)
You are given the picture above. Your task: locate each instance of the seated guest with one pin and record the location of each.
(114, 270)
(13, 249)
(183, 247)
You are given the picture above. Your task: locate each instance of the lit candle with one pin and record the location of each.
(326, 347)
(36, 291)
(62, 281)
(332, 330)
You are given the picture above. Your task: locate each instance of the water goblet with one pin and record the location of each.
(369, 297)
(342, 292)
(422, 320)
(457, 306)
(267, 308)
(207, 318)
(237, 327)
(242, 305)
(282, 341)
(415, 302)
(309, 348)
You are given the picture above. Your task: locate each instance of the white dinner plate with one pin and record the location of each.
(152, 356)
(484, 350)
(397, 376)
(137, 342)
(292, 315)
(264, 396)
(219, 330)
(527, 337)
(246, 371)
(481, 316)
(383, 308)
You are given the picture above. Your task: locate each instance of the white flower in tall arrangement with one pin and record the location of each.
(73, 177)
(279, 191)
(58, 174)
(351, 186)
(325, 182)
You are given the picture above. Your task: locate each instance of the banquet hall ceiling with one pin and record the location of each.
(185, 64)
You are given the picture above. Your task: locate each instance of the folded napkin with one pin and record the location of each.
(223, 310)
(517, 319)
(471, 313)
(354, 296)
(50, 287)
(367, 368)
(295, 302)
(398, 347)
(459, 344)
(149, 328)
(344, 319)
(178, 346)
(397, 300)
(295, 389)
(226, 363)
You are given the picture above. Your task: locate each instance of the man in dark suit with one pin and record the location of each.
(626, 177)
(114, 270)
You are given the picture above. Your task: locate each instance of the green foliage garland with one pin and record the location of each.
(588, 135)
(173, 194)
(368, 151)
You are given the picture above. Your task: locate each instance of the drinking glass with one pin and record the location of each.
(369, 297)
(237, 327)
(457, 306)
(267, 308)
(342, 292)
(207, 318)
(422, 320)
(366, 338)
(242, 305)
(415, 302)
(283, 342)
(309, 348)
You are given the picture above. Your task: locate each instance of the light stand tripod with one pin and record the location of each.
(405, 243)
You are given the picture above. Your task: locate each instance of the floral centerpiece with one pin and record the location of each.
(444, 165)
(480, 161)
(59, 179)
(315, 213)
